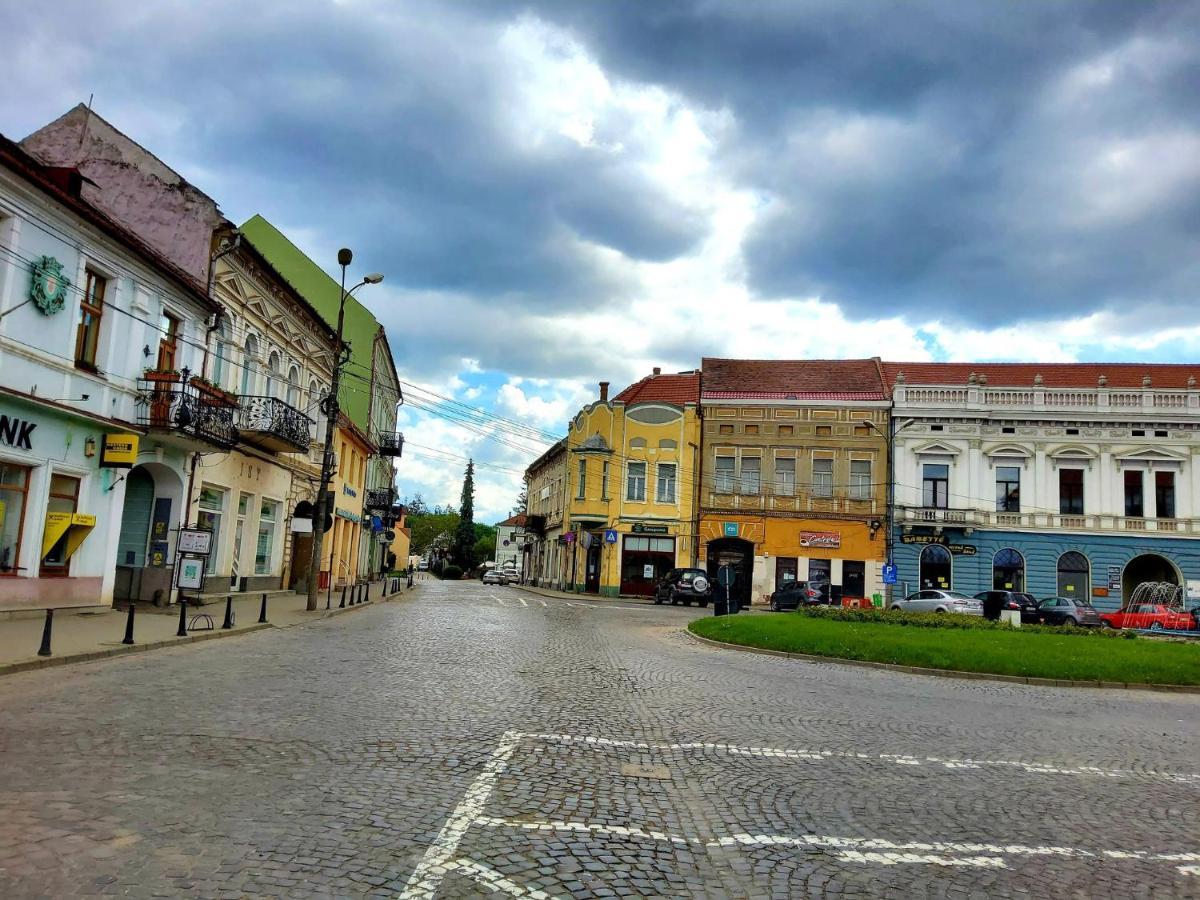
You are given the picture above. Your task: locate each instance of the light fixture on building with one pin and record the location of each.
(874, 525)
(89, 447)
(146, 350)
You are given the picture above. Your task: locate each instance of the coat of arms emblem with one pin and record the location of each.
(49, 287)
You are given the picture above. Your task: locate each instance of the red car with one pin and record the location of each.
(1154, 616)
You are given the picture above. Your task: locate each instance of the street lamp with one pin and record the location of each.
(330, 409)
(890, 439)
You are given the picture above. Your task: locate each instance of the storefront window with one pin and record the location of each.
(936, 568)
(64, 498)
(212, 505)
(267, 520)
(14, 486)
(1008, 571)
(785, 571)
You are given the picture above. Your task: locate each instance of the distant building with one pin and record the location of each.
(545, 484)
(510, 542)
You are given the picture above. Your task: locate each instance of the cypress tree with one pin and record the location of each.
(464, 535)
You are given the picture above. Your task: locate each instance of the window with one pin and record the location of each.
(635, 486)
(221, 351)
(64, 498)
(249, 364)
(268, 515)
(935, 485)
(937, 427)
(1074, 576)
(1072, 431)
(751, 475)
(1161, 433)
(1133, 494)
(667, 444)
(1164, 495)
(1008, 571)
(293, 389)
(239, 528)
(91, 309)
(666, 482)
(785, 477)
(936, 568)
(273, 374)
(604, 480)
(1139, 432)
(1008, 429)
(637, 444)
(1008, 489)
(212, 505)
(14, 486)
(860, 479)
(787, 430)
(168, 344)
(822, 485)
(751, 429)
(581, 492)
(1070, 492)
(723, 483)
(725, 429)
(314, 409)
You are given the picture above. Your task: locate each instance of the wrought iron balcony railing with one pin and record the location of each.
(391, 443)
(174, 406)
(379, 498)
(272, 424)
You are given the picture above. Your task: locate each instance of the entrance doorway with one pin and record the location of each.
(153, 494)
(591, 582)
(854, 578)
(644, 560)
(1008, 571)
(936, 568)
(739, 554)
(1147, 567)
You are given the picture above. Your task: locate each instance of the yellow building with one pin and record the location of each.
(340, 549)
(631, 464)
(402, 543)
(794, 480)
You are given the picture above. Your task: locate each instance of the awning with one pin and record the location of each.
(76, 526)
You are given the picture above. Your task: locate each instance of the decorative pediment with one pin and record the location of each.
(1009, 450)
(1073, 451)
(936, 448)
(1150, 456)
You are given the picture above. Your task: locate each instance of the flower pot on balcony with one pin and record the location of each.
(211, 395)
(155, 375)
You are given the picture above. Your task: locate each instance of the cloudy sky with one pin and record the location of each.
(562, 192)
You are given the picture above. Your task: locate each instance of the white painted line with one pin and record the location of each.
(523, 603)
(544, 603)
(929, 859)
(424, 881)
(489, 877)
(500, 600)
(949, 764)
(606, 830)
(1189, 870)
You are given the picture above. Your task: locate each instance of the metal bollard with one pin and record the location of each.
(129, 625)
(228, 623)
(342, 605)
(44, 650)
(182, 632)
(262, 613)
(327, 599)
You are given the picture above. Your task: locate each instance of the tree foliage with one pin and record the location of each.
(464, 535)
(522, 501)
(427, 526)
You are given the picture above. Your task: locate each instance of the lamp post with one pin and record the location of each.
(330, 404)
(890, 441)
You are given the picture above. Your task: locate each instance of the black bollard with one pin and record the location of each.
(182, 632)
(262, 613)
(342, 605)
(228, 623)
(129, 625)
(327, 599)
(44, 650)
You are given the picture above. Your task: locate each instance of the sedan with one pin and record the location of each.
(1153, 616)
(795, 594)
(939, 602)
(1067, 611)
(494, 576)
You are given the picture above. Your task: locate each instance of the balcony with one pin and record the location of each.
(379, 498)
(1038, 398)
(391, 443)
(271, 424)
(798, 503)
(933, 515)
(1044, 521)
(185, 413)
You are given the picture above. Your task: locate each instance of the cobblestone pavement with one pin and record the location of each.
(478, 741)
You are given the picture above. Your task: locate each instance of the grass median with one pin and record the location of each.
(1039, 653)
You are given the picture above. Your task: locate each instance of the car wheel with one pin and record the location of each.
(940, 609)
(896, 609)
(1107, 626)
(687, 602)
(1156, 626)
(674, 601)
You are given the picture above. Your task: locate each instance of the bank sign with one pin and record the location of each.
(16, 432)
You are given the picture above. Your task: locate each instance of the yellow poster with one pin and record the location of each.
(119, 451)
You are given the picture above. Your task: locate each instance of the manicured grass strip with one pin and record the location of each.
(1038, 655)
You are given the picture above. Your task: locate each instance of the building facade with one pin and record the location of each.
(793, 481)
(630, 476)
(1078, 480)
(545, 489)
(510, 543)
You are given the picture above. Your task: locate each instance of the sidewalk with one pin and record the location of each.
(85, 635)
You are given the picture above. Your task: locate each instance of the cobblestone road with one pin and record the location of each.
(480, 741)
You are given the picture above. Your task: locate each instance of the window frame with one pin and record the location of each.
(724, 477)
(1066, 500)
(581, 487)
(822, 486)
(933, 486)
(1161, 498)
(1134, 494)
(87, 331)
(670, 480)
(859, 488)
(785, 486)
(273, 522)
(633, 481)
(1008, 501)
(746, 475)
(14, 570)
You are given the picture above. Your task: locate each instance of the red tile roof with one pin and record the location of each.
(798, 379)
(1054, 375)
(517, 520)
(680, 388)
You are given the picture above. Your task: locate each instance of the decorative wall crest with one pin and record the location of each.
(48, 287)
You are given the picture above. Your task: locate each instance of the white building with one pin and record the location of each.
(510, 544)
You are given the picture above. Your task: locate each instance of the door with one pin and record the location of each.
(160, 404)
(738, 554)
(592, 579)
(854, 578)
(785, 572)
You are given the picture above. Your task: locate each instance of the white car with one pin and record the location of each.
(940, 602)
(494, 576)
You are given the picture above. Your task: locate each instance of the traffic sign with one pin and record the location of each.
(890, 573)
(610, 536)
(726, 575)
(731, 529)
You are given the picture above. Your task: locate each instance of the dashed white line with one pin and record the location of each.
(586, 827)
(523, 603)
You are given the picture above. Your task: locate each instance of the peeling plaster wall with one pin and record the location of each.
(133, 186)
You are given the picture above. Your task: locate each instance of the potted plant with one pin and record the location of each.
(161, 375)
(212, 394)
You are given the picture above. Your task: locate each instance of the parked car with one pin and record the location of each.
(939, 601)
(423, 566)
(1067, 611)
(795, 594)
(494, 576)
(684, 586)
(1154, 616)
(511, 576)
(995, 601)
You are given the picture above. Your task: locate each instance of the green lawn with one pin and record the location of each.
(1003, 652)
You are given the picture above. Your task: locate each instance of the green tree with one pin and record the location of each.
(522, 501)
(427, 526)
(464, 535)
(485, 546)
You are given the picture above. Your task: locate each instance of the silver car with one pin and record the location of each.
(940, 601)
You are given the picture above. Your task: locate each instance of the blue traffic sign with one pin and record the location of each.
(610, 536)
(731, 529)
(890, 573)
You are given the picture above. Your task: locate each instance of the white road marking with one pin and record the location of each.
(1189, 870)
(895, 758)
(424, 881)
(523, 603)
(606, 830)
(489, 877)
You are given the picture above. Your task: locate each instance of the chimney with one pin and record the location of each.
(657, 370)
(604, 392)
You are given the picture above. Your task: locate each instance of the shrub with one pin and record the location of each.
(945, 620)
(451, 573)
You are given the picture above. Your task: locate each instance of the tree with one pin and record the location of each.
(485, 546)
(415, 506)
(522, 501)
(464, 535)
(427, 526)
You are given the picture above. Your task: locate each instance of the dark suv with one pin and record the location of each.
(684, 586)
(995, 601)
(795, 594)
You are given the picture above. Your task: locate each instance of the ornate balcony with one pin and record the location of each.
(934, 515)
(271, 424)
(186, 413)
(391, 443)
(379, 498)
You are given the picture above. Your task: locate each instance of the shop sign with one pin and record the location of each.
(119, 451)
(1114, 578)
(1099, 592)
(195, 540)
(648, 570)
(731, 529)
(639, 528)
(822, 539)
(191, 573)
(76, 526)
(960, 549)
(48, 286)
(16, 432)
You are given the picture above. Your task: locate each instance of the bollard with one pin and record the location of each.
(228, 623)
(182, 632)
(342, 605)
(44, 650)
(129, 625)
(262, 613)
(327, 599)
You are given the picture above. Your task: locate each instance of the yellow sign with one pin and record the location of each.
(76, 526)
(119, 451)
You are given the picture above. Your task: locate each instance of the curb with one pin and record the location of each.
(952, 673)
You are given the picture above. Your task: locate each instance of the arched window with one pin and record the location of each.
(273, 374)
(936, 568)
(1074, 576)
(221, 354)
(293, 388)
(250, 365)
(667, 444)
(1008, 570)
(637, 444)
(313, 408)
